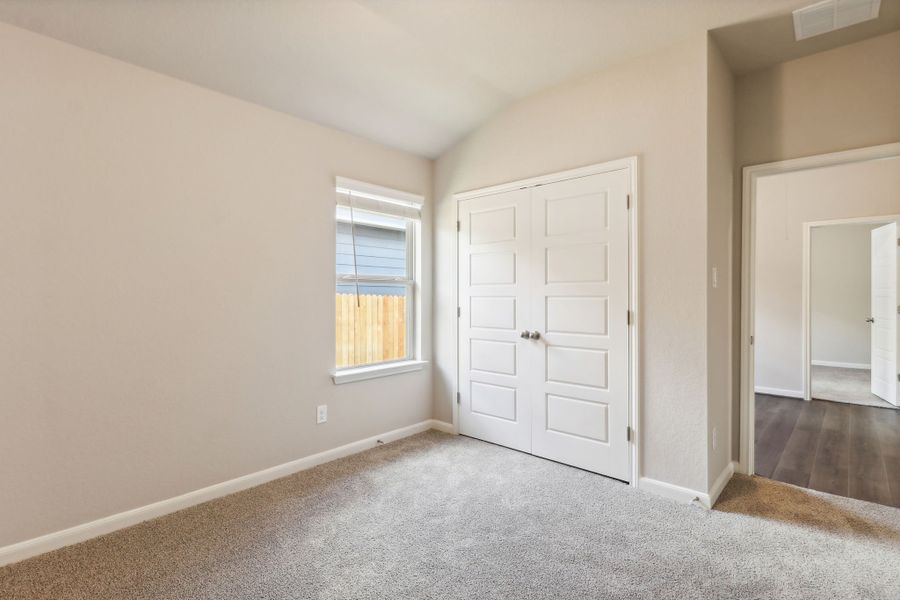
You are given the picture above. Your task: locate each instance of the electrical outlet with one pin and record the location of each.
(715, 438)
(322, 413)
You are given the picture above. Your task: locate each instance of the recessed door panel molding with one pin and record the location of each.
(492, 356)
(492, 312)
(544, 350)
(492, 226)
(582, 315)
(494, 400)
(579, 263)
(580, 418)
(581, 213)
(577, 366)
(493, 268)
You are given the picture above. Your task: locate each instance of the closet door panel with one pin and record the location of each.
(494, 254)
(579, 304)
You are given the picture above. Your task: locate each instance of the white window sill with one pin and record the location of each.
(373, 371)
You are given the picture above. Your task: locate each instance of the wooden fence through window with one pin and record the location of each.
(373, 332)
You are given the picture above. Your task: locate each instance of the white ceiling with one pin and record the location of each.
(412, 74)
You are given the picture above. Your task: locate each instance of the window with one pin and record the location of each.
(376, 283)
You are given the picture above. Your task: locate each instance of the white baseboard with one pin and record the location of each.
(687, 495)
(720, 483)
(442, 426)
(779, 392)
(672, 491)
(79, 533)
(842, 365)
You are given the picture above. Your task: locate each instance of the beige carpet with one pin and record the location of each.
(850, 386)
(436, 516)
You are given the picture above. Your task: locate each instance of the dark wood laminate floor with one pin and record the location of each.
(842, 449)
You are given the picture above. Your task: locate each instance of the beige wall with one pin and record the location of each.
(836, 100)
(840, 294)
(783, 203)
(166, 287)
(720, 181)
(653, 107)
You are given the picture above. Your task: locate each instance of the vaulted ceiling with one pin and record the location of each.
(412, 74)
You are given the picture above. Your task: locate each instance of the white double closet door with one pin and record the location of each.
(543, 321)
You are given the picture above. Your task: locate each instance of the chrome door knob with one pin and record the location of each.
(525, 334)
(535, 335)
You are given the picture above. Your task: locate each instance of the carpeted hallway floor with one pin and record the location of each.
(437, 516)
(850, 386)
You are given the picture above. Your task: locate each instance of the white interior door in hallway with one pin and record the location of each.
(543, 320)
(884, 312)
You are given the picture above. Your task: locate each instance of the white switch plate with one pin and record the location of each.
(715, 277)
(322, 413)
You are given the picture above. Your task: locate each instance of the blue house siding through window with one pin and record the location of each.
(379, 251)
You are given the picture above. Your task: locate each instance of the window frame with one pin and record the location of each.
(411, 282)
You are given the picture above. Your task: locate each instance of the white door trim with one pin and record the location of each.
(748, 264)
(806, 343)
(634, 392)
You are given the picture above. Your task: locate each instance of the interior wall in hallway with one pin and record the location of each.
(839, 294)
(719, 222)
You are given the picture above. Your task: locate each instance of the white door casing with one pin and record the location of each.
(551, 259)
(884, 312)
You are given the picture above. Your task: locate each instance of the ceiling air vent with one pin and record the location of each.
(829, 15)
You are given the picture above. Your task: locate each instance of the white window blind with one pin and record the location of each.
(377, 199)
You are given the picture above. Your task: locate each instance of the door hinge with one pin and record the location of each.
(628, 317)
(628, 433)
(458, 312)
(751, 340)
(458, 226)
(457, 397)
(627, 201)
